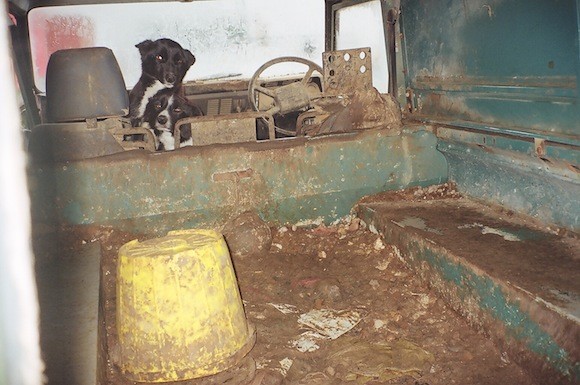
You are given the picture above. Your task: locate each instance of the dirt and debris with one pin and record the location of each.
(247, 234)
(394, 330)
(440, 191)
(401, 332)
(334, 305)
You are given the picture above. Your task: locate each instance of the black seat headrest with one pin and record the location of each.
(84, 83)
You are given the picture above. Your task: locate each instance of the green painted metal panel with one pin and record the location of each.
(490, 297)
(286, 181)
(496, 65)
(506, 171)
(536, 332)
(564, 159)
(492, 38)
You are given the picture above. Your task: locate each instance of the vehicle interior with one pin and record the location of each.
(443, 140)
(287, 89)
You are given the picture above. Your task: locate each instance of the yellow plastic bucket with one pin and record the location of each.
(179, 311)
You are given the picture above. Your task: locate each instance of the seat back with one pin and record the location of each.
(84, 83)
(86, 100)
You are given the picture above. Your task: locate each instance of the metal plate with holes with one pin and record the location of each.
(346, 71)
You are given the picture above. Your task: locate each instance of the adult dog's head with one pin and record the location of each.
(165, 60)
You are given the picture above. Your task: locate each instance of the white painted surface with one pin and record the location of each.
(361, 25)
(226, 36)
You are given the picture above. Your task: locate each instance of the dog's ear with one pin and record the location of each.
(195, 111)
(144, 46)
(189, 58)
(185, 131)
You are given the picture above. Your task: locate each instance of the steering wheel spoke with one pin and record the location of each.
(265, 91)
(273, 110)
(282, 106)
(308, 74)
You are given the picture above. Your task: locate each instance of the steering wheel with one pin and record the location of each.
(285, 98)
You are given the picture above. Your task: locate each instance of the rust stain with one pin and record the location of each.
(232, 175)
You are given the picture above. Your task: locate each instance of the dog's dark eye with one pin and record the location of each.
(177, 109)
(158, 106)
(159, 58)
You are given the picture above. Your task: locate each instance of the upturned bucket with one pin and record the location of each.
(179, 311)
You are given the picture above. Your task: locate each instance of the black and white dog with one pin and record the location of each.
(163, 65)
(162, 112)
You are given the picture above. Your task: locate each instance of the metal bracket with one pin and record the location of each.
(540, 147)
(346, 71)
(130, 138)
(235, 128)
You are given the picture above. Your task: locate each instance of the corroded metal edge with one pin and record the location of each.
(285, 182)
(533, 334)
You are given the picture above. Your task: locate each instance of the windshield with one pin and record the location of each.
(229, 38)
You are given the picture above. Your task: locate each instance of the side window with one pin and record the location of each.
(361, 25)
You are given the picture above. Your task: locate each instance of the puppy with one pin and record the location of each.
(161, 114)
(180, 108)
(163, 65)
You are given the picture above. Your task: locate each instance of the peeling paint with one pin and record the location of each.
(417, 223)
(490, 230)
(491, 297)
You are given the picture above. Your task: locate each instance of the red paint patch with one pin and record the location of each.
(58, 32)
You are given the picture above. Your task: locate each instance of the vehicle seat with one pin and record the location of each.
(86, 100)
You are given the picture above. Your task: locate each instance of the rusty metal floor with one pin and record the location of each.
(509, 276)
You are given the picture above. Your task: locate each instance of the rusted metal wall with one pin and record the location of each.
(498, 80)
(504, 66)
(285, 181)
(537, 178)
